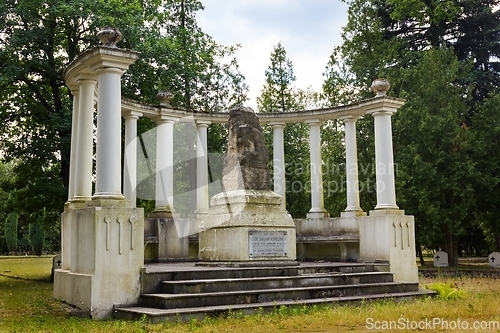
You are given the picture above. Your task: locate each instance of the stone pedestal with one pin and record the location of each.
(247, 227)
(389, 236)
(173, 240)
(102, 257)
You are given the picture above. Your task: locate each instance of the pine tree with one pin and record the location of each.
(11, 231)
(277, 93)
(37, 237)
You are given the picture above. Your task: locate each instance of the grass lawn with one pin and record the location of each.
(28, 306)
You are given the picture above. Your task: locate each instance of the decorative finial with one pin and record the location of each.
(165, 97)
(380, 87)
(109, 36)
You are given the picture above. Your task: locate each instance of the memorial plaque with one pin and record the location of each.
(267, 243)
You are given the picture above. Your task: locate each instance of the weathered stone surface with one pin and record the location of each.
(245, 164)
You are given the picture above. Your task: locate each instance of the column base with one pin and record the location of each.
(352, 213)
(317, 214)
(102, 254)
(386, 206)
(389, 235)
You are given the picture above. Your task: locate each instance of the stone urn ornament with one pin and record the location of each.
(109, 36)
(380, 87)
(165, 97)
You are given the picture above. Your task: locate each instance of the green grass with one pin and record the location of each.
(28, 306)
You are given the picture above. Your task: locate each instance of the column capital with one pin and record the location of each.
(351, 118)
(86, 77)
(313, 122)
(161, 119)
(131, 114)
(384, 108)
(277, 124)
(202, 123)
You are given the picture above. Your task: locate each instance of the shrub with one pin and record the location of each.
(447, 291)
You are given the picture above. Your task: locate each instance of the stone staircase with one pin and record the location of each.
(180, 292)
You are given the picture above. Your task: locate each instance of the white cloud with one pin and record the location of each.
(308, 29)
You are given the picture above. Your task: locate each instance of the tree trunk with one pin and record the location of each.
(497, 242)
(452, 250)
(419, 251)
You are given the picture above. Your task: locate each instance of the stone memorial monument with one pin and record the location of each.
(494, 259)
(246, 224)
(440, 259)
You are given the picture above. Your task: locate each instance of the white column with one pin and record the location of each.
(130, 160)
(386, 190)
(202, 195)
(317, 202)
(85, 147)
(351, 159)
(108, 162)
(164, 165)
(279, 161)
(74, 142)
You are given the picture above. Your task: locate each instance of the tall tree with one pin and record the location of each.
(39, 37)
(428, 48)
(277, 93)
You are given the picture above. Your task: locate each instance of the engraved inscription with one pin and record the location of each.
(267, 243)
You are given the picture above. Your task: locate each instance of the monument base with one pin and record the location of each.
(102, 257)
(247, 227)
(388, 235)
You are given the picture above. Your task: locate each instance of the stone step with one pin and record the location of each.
(309, 280)
(186, 314)
(156, 273)
(171, 301)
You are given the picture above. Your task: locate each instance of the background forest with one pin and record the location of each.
(442, 56)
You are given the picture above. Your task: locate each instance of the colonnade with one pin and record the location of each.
(386, 198)
(105, 74)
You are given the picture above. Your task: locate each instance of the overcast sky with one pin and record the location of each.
(307, 29)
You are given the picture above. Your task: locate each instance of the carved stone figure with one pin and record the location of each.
(245, 164)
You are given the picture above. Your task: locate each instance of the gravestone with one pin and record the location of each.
(494, 259)
(246, 223)
(440, 259)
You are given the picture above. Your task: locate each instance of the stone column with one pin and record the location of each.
(74, 141)
(386, 190)
(85, 145)
(164, 165)
(202, 195)
(384, 160)
(317, 202)
(108, 161)
(351, 157)
(279, 161)
(130, 167)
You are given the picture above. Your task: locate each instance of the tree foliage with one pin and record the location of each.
(37, 237)
(11, 232)
(443, 58)
(38, 38)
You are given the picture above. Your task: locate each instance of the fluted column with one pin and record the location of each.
(351, 157)
(108, 161)
(130, 167)
(164, 165)
(202, 195)
(317, 201)
(85, 146)
(279, 161)
(74, 144)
